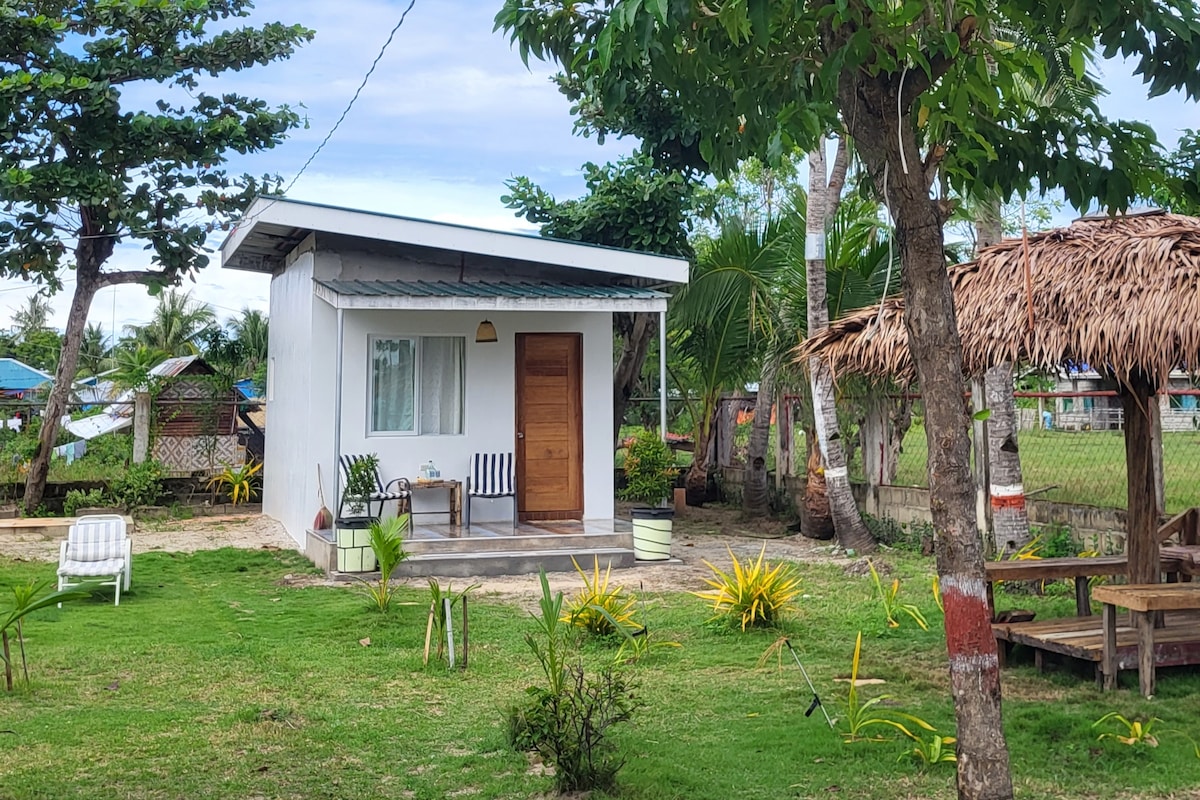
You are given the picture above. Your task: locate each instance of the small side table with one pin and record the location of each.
(1144, 600)
(453, 487)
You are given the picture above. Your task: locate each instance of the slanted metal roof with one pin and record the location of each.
(521, 289)
(488, 295)
(274, 227)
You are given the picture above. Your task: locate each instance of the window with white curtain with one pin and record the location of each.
(417, 385)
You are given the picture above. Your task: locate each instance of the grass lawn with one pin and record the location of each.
(1083, 467)
(217, 678)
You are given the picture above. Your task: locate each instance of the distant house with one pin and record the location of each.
(1179, 411)
(194, 427)
(18, 378)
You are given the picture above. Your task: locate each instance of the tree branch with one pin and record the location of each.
(130, 276)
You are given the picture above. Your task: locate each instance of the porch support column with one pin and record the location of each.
(662, 374)
(1141, 539)
(337, 411)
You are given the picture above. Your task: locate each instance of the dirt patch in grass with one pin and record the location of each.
(244, 531)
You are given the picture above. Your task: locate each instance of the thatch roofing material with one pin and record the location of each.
(1121, 294)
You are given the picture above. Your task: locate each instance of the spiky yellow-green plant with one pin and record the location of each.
(889, 597)
(598, 609)
(754, 594)
(240, 483)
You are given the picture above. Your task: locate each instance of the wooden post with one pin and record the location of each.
(465, 640)
(1109, 656)
(1156, 452)
(449, 609)
(1145, 629)
(1141, 532)
(141, 427)
(428, 633)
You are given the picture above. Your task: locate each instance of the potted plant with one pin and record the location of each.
(360, 482)
(650, 478)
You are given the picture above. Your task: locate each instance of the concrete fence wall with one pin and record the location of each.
(1092, 528)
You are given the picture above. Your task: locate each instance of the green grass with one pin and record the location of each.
(216, 678)
(1085, 467)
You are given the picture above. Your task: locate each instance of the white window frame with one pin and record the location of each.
(418, 356)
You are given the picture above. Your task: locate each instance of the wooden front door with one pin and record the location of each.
(550, 426)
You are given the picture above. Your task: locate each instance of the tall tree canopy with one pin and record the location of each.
(927, 92)
(81, 171)
(632, 204)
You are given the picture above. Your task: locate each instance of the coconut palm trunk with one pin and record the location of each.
(851, 533)
(1006, 490)
(756, 493)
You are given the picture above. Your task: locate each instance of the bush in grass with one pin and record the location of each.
(598, 609)
(141, 485)
(110, 450)
(754, 594)
(77, 499)
(568, 720)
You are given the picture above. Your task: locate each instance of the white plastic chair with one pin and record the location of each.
(97, 546)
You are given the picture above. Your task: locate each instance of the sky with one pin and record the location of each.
(449, 115)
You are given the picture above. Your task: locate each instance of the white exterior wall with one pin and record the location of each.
(289, 494)
(490, 403)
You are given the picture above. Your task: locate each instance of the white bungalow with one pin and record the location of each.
(428, 342)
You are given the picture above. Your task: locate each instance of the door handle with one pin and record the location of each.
(520, 435)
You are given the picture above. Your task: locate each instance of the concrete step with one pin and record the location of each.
(540, 542)
(512, 562)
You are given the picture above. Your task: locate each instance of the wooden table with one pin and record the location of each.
(1044, 569)
(1144, 600)
(455, 489)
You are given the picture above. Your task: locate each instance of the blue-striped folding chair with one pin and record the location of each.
(97, 546)
(491, 477)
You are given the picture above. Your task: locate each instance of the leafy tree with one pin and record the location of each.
(1179, 188)
(39, 349)
(82, 171)
(33, 317)
(132, 364)
(631, 204)
(926, 92)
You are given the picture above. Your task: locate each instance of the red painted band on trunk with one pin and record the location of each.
(968, 625)
(1016, 501)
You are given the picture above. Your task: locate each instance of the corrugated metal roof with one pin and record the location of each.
(17, 376)
(479, 289)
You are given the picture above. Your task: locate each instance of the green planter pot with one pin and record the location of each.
(652, 533)
(354, 553)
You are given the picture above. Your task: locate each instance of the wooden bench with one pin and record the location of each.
(1044, 569)
(1144, 601)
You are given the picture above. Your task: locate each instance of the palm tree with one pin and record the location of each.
(92, 351)
(34, 317)
(717, 325)
(250, 332)
(132, 364)
(824, 197)
(178, 324)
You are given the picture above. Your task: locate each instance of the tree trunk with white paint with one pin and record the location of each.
(887, 143)
(1006, 488)
(852, 534)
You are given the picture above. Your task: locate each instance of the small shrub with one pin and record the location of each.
(911, 536)
(755, 594)
(862, 715)
(25, 600)
(569, 719)
(649, 470)
(934, 750)
(889, 597)
(141, 485)
(110, 450)
(388, 546)
(437, 611)
(241, 483)
(360, 480)
(77, 499)
(596, 608)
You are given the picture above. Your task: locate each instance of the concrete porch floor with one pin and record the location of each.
(422, 531)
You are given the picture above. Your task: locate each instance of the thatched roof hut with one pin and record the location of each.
(1119, 294)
